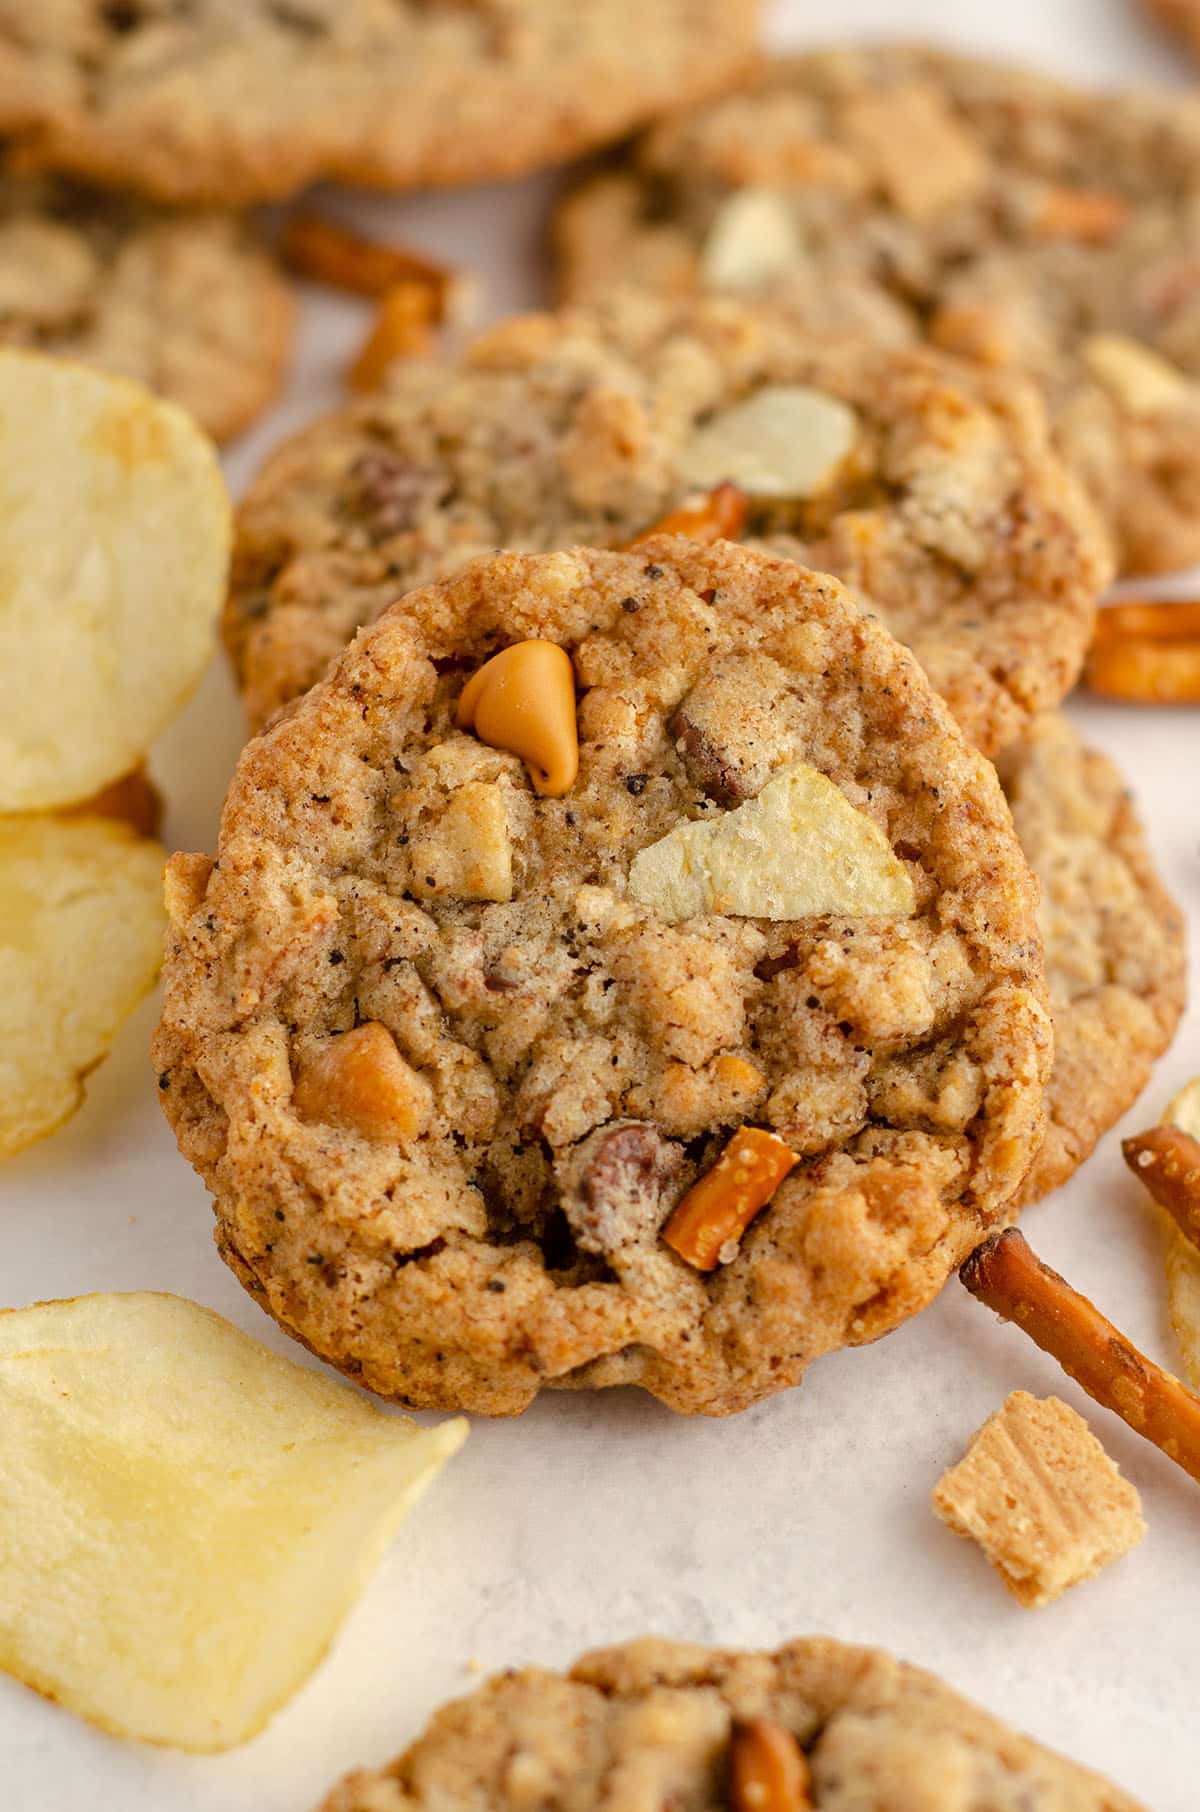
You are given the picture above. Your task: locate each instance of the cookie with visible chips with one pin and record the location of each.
(235, 101)
(451, 1050)
(928, 486)
(191, 305)
(1007, 217)
(845, 1729)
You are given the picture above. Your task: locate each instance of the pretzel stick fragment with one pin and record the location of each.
(720, 516)
(1009, 1277)
(1144, 670)
(1167, 1161)
(336, 255)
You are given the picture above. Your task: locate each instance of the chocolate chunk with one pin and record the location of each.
(391, 494)
(616, 1184)
(708, 766)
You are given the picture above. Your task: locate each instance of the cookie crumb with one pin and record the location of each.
(1042, 1498)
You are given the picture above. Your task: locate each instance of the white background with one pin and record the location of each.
(597, 1518)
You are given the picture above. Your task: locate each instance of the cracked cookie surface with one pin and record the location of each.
(949, 513)
(878, 1736)
(1005, 216)
(559, 1060)
(233, 101)
(1114, 939)
(188, 304)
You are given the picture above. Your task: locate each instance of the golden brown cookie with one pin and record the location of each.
(678, 1721)
(452, 1026)
(233, 101)
(1009, 218)
(1114, 939)
(926, 485)
(192, 305)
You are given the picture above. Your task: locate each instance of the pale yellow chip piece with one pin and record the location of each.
(114, 551)
(785, 440)
(753, 240)
(797, 850)
(185, 1518)
(1182, 1258)
(81, 930)
(1136, 376)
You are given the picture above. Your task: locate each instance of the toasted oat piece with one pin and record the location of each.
(1039, 1494)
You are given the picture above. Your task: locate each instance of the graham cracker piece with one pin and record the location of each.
(1039, 1494)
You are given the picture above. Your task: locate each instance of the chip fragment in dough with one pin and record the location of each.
(796, 850)
(785, 440)
(81, 930)
(185, 1518)
(114, 551)
(752, 240)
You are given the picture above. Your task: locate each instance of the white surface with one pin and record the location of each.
(593, 1519)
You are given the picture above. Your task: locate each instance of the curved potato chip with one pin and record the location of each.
(81, 928)
(114, 549)
(185, 1518)
(797, 849)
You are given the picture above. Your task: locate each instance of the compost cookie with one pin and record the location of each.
(927, 485)
(192, 305)
(815, 1725)
(233, 101)
(676, 1056)
(1115, 941)
(1012, 219)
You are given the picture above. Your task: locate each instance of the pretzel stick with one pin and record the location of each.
(1144, 670)
(718, 517)
(1150, 619)
(1167, 1160)
(1010, 1278)
(344, 259)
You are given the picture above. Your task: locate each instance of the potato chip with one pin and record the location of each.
(752, 242)
(1182, 1258)
(797, 849)
(785, 440)
(114, 546)
(81, 929)
(185, 1518)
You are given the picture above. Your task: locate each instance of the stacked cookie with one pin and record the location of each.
(131, 129)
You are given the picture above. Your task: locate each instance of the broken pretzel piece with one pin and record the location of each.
(1037, 1492)
(711, 1218)
(1008, 1276)
(403, 329)
(768, 1770)
(336, 255)
(721, 516)
(1167, 1160)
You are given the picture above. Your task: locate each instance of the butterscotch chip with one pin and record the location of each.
(1039, 1494)
(1038, 228)
(424, 846)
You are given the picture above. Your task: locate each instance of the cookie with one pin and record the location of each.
(675, 1720)
(188, 304)
(463, 1046)
(234, 101)
(926, 485)
(1114, 939)
(1011, 219)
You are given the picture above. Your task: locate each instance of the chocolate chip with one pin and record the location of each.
(636, 784)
